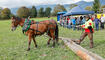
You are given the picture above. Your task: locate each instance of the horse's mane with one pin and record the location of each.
(17, 18)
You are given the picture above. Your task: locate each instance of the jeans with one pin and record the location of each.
(69, 26)
(74, 26)
(97, 26)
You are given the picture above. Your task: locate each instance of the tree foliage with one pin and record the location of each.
(103, 6)
(5, 13)
(89, 8)
(58, 8)
(41, 12)
(33, 12)
(96, 6)
(47, 11)
(1, 9)
(23, 12)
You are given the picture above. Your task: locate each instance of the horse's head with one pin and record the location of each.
(14, 23)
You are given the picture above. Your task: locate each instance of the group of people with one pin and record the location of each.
(85, 22)
(72, 22)
(99, 22)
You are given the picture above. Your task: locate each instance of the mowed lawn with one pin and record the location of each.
(13, 45)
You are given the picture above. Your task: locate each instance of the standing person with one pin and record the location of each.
(83, 20)
(61, 20)
(73, 22)
(68, 20)
(102, 21)
(96, 21)
(64, 18)
(88, 27)
(91, 16)
(78, 23)
(70, 23)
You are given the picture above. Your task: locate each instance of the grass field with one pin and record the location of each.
(13, 46)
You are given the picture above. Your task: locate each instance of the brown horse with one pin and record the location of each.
(37, 28)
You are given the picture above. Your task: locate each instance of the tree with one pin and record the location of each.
(23, 12)
(1, 9)
(33, 12)
(88, 8)
(73, 5)
(47, 11)
(5, 13)
(103, 6)
(96, 6)
(41, 12)
(58, 8)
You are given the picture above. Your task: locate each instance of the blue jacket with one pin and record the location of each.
(73, 21)
(96, 20)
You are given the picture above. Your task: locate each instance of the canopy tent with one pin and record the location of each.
(78, 11)
(59, 14)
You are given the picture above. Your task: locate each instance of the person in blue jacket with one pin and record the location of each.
(74, 23)
(96, 21)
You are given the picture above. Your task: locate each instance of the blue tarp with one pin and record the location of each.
(61, 12)
(58, 15)
(78, 11)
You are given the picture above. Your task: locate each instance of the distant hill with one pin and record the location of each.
(82, 4)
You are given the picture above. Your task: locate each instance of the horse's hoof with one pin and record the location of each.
(91, 47)
(48, 43)
(36, 46)
(28, 49)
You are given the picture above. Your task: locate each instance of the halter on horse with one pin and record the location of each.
(37, 28)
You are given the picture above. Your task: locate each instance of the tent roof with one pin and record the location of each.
(61, 12)
(78, 11)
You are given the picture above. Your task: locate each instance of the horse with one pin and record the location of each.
(37, 28)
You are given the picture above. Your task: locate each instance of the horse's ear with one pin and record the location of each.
(12, 17)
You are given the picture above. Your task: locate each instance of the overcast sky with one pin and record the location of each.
(18, 3)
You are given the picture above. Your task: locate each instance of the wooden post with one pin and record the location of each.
(80, 51)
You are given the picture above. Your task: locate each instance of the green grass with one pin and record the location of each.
(13, 46)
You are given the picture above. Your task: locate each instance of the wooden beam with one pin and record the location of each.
(80, 51)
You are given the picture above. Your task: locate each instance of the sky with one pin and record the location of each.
(18, 3)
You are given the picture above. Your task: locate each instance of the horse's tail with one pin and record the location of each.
(56, 33)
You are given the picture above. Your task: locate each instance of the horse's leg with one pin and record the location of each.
(49, 39)
(33, 37)
(29, 41)
(48, 43)
(53, 36)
